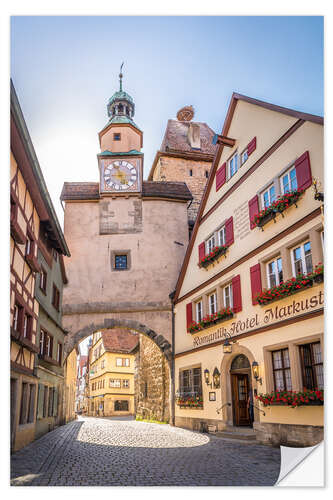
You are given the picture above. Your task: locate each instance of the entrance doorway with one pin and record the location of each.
(240, 386)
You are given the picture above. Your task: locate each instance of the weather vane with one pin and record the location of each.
(121, 76)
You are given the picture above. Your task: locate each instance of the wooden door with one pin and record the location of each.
(240, 390)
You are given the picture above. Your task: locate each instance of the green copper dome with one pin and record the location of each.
(120, 95)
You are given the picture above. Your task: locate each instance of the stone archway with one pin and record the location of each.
(226, 389)
(153, 361)
(73, 339)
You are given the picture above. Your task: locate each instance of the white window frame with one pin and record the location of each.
(210, 244)
(270, 200)
(301, 246)
(283, 175)
(198, 307)
(25, 325)
(126, 383)
(212, 303)
(219, 231)
(115, 383)
(234, 156)
(227, 287)
(242, 161)
(276, 272)
(15, 316)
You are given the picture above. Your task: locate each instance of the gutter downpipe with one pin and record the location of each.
(172, 359)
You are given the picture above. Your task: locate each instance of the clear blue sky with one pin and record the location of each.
(65, 68)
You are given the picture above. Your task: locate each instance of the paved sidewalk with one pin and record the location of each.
(118, 452)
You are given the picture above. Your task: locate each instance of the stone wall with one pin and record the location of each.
(178, 169)
(152, 380)
(297, 436)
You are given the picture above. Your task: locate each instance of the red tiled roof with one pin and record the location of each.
(175, 138)
(120, 340)
(90, 190)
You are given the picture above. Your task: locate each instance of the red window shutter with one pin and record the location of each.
(256, 286)
(221, 176)
(236, 294)
(189, 318)
(251, 146)
(303, 171)
(229, 231)
(253, 209)
(202, 252)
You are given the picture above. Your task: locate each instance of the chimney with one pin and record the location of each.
(193, 135)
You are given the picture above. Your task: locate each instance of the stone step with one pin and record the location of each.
(243, 434)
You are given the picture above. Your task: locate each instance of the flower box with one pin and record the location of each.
(215, 254)
(292, 398)
(211, 319)
(278, 206)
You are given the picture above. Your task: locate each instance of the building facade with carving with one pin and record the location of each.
(127, 237)
(111, 377)
(249, 300)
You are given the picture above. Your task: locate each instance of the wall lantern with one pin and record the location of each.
(206, 373)
(216, 378)
(255, 371)
(227, 347)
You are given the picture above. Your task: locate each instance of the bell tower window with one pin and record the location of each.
(116, 137)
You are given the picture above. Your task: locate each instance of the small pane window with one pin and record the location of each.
(274, 272)
(121, 261)
(191, 172)
(210, 244)
(206, 174)
(302, 259)
(116, 137)
(281, 370)
(227, 296)
(233, 165)
(312, 366)
(212, 303)
(289, 181)
(244, 156)
(198, 310)
(221, 236)
(268, 196)
(43, 280)
(126, 384)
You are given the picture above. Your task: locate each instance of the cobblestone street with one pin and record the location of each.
(123, 452)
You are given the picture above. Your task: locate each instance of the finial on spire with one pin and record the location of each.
(121, 78)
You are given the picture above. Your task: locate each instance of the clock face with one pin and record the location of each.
(120, 175)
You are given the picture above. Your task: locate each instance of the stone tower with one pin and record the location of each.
(186, 155)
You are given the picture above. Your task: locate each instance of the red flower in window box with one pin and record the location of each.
(213, 255)
(211, 319)
(292, 398)
(278, 206)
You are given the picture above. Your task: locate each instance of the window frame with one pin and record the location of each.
(117, 267)
(276, 273)
(311, 366)
(283, 368)
(241, 157)
(287, 172)
(303, 257)
(221, 229)
(191, 382)
(224, 287)
(212, 310)
(196, 310)
(210, 242)
(43, 280)
(56, 297)
(233, 157)
(270, 200)
(117, 136)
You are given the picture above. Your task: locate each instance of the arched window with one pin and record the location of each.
(120, 108)
(206, 174)
(191, 172)
(240, 361)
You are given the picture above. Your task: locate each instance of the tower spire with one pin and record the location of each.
(121, 78)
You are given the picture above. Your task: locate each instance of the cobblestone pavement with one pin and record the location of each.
(122, 452)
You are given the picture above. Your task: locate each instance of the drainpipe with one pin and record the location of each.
(171, 296)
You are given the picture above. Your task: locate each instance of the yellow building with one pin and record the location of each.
(249, 299)
(70, 367)
(111, 377)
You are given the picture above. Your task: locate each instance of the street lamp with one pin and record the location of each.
(227, 347)
(216, 378)
(255, 371)
(206, 374)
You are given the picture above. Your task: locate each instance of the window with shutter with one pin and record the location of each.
(237, 294)
(253, 210)
(189, 319)
(221, 176)
(256, 286)
(229, 231)
(55, 403)
(303, 171)
(40, 401)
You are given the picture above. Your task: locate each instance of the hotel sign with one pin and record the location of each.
(270, 316)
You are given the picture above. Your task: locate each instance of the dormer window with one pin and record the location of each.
(120, 108)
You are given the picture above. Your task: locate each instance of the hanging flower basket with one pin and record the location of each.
(217, 252)
(211, 319)
(278, 206)
(292, 398)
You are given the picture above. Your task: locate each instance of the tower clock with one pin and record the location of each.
(120, 175)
